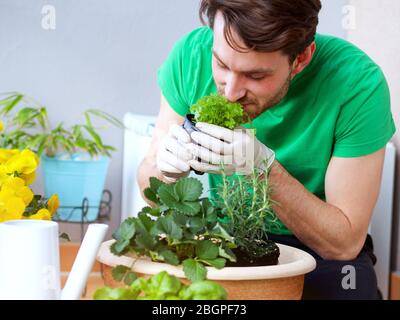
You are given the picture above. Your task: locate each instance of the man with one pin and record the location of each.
(321, 110)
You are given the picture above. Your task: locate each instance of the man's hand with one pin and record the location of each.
(172, 157)
(237, 151)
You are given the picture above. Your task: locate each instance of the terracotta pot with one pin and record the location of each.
(283, 281)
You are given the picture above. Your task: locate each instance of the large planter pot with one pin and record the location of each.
(283, 281)
(73, 180)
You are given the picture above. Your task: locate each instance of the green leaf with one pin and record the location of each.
(95, 136)
(206, 250)
(127, 229)
(163, 284)
(155, 212)
(106, 116)
(218, 263)
(204, 290)
(190, 208)
(188, 189)
(25, 114)
(119, 246)
(170, 257)
(144, 240)
(167, 195)
(155, 184)
(10, 103)
(150, 195)
(146, 221)
(107, 293)
(218, 110)
(87, 118)
(129, 278)
(168, 226)
(118, 272)
(194, 270)
(227, 253)
(180, 218)
(195, 224)
(222, 233)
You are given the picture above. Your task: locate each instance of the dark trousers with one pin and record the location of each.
(338, 280)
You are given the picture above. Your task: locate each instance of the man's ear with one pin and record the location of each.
(303, 59)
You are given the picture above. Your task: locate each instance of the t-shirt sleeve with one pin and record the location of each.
(171, 78)
(365, 123)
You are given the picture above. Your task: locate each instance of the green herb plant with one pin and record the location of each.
(215, 109)
(27, 126)
(245, 210)
(181, 228)
(163, 286)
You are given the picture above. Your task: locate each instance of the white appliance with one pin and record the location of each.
(137, 138)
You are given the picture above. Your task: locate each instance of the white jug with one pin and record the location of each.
(30, 260)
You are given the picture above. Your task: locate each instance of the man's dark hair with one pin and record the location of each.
(266, 25)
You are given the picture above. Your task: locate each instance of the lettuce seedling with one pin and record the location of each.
(163, 286)
(218, 110)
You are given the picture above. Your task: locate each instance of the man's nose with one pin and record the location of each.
(234, 90)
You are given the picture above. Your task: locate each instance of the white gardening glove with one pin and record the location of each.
(237, 151)
(172, 157)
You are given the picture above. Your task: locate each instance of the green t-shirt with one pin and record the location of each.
(339, 105)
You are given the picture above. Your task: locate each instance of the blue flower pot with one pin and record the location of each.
(73, 180)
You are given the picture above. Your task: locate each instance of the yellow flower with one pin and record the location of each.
(11, 208)
(29, 178)
(17, 169)
(13, 186)
(6, 154)
(42, 214)
(53, 203)
(1, 126)
(24, 162)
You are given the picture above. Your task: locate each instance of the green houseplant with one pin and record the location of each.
(192, 238)
(181, 228)
(245, 209)
(74, 158)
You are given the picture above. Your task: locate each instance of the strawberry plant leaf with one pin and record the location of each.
(206, 250)
(155, 184)
(168, 226)
(129, 278)
(118, 272)
(119, 247)
(227, 253)
(167, 195)
(194, 270)
(218, 263)
(151, 195)
(190, 208)
(170, 257)
(188, 189)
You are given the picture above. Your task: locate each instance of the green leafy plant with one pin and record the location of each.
(218, 110)
(163, 286)
(181, 228)
(27, 126)
(245, 210)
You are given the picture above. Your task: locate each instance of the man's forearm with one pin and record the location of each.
(146, 170)
(319, 225)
